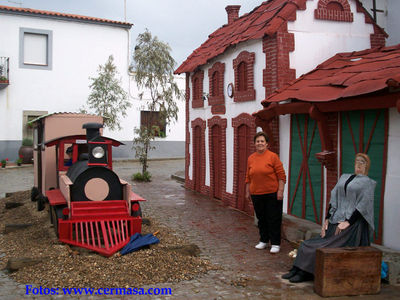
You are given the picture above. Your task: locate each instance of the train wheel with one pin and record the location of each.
(34, 193)
(41, 202)
(54, 219)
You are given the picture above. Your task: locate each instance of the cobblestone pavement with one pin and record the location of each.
(225, 236)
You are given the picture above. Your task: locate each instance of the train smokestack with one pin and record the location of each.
(92, 130)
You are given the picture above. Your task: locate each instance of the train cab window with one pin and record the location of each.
(68, 155)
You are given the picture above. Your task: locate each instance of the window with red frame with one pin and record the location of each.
(197, 87)
(215, 84)
(242, 72)
(243, 66)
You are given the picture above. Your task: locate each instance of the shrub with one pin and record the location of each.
(146, 176)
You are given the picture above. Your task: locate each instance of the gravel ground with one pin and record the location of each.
(64, 266)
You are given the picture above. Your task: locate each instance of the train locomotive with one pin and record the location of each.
(90, 206)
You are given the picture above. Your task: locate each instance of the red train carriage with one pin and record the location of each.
(90, 206)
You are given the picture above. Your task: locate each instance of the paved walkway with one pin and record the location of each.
(225, 236)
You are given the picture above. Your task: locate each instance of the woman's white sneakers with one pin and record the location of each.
(261, 245)
(275, 249)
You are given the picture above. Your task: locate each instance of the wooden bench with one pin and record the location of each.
(347, 271)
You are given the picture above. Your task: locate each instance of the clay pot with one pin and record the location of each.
(27, 154)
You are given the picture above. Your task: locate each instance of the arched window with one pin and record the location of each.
(242, 72)
(334, 10)
(243, 66)
(215, 84)
(197, 88)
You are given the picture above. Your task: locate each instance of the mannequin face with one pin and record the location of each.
(261, 144)
(360, 167)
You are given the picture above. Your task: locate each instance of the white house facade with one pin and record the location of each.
(254, 55)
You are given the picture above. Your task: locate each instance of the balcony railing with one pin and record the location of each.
(4, 72)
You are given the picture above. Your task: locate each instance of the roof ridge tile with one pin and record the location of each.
(59, 14)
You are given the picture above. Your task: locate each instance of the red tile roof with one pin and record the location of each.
(262, 20)
(45, 13)
(345, 75)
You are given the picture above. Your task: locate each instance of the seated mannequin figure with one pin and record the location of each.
(349, 221)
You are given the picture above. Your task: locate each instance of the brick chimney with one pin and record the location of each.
(233, 12)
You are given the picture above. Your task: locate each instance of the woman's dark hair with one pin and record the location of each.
(261, 133)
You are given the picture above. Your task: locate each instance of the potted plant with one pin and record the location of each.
(26, 151)
(3, 79)
(19, 160)
(4, 162)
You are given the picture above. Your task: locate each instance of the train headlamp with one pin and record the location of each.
(98, 152)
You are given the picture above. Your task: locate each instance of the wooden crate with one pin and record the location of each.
(347, 271)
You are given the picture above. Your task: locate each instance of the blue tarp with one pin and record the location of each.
(384, 270)
(138, 241)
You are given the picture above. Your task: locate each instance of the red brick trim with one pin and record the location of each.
(218, 109)
(188, 181)
(248, 120)
(377, 38)
(216, 120)
(202, 124)
(197, 87)
(216, 96)
(249, 94)
(334, 10)
(277, 72)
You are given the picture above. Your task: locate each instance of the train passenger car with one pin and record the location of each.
(89, 205)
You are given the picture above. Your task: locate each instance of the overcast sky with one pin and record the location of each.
(183, 24)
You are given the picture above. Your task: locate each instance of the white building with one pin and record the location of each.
(48, 58)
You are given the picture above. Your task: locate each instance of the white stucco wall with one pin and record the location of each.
(391, 221)
(78, 49)
(284, 153)
(317, 40)
(175, 131)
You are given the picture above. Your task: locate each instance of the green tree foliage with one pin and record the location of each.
(154, 73)
(108, 99)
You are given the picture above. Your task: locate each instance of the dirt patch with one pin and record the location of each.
(63, 266)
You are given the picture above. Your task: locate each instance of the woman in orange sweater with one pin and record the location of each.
(265, 182)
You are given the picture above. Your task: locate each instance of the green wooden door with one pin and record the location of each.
(366, 132)
(305, 171)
